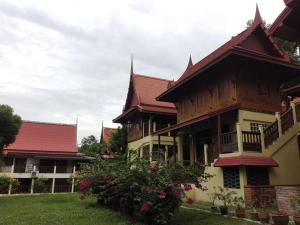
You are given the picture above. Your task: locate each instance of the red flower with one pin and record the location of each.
(178, 194)
(145, 207)
(189, 201)
(187, 187)
(162, 195)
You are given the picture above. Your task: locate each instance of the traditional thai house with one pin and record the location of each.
(229, 118)
(143, 115)
(42, 150)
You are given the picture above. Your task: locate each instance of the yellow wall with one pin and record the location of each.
(216, 180)
(288, 158)
(246, 117)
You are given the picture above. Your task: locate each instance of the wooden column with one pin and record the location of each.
(11, 171)
(73, 179)
(293, 106)
(53, 181)
(219, 132)
(174, 147)
(262, 137)
(158, 148)
(205, 154)
(239, 138)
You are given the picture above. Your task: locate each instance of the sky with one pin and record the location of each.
(63, 60)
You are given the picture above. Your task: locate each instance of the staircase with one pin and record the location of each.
(279, 133)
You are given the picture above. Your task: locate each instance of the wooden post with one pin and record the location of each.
(73, 179)
(293, 106)
(205, 154)
(53, 181)
(174, 147)
(262, 137)
(239, 138)
(277, 115)
(166, 153)
(150, 150)
(219, 132)
(11, 171)
(158, 148)
(32, 181)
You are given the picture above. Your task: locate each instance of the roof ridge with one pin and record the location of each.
(150, 77)
(48, 123)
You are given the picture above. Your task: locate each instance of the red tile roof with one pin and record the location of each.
(245, 161)
(44, 138)
(107, 133)
(245, 43)
(286, 25)
(141, 96)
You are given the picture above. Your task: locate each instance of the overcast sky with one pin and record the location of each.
(63, 59)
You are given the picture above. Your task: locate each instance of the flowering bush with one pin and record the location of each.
(149, 193)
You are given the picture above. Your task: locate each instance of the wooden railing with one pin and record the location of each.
(271, 133)
(287, 120)
(5, 169)
(251, 141)
(297, 108)
(229, 142)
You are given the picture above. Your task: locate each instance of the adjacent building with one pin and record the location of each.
(143, 115)
(43, 150)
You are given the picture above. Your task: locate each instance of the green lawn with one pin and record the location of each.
(66, 209)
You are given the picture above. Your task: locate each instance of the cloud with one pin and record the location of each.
(60, 60)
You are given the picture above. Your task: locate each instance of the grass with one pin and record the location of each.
(66, 209)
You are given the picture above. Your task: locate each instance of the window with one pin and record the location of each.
(257, 175)
(254, 127)
(231, 177)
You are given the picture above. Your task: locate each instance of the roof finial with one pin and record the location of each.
(257, 18)
(131, 68)
(190, 61)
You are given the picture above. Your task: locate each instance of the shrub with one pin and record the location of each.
(5, 181)
(40, 185)
(150, 192)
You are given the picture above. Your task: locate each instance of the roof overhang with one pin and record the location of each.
(254, 161)
(233, 51)
(196, 120)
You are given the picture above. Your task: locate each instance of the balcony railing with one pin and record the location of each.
(5, 169)
(271, 133)
(251, 141)
(287, 120)
(229, 142)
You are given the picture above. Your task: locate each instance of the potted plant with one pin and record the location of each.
(239, 205)
(295, 202)
(225, 195)
(213, 197)
(280, 218)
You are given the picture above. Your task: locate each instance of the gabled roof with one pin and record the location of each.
(253, 42)
(106, 134)
(141, 96)
(44, 138)
(287, 24)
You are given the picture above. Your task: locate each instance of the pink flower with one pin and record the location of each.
(145, 207)
(187, 187)
(189, 201)
(178, 195)
(162, 195)
(84, 185)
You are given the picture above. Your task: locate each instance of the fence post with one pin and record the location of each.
(277, 115)
(262, 137)
(53, 181)
(293, 105)
(239, 138)
(73, 179)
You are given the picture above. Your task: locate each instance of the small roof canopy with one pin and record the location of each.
(245, 161)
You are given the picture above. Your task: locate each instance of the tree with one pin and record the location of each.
(118, 140)
(10, 124)
(91, 146)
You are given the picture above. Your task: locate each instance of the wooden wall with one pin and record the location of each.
(135, 129)
(214, 91)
